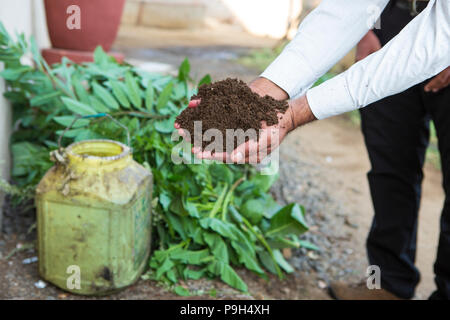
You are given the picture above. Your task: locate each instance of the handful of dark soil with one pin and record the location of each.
(230, 104)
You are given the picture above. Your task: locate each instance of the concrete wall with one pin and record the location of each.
(258, 17)
(21, 16)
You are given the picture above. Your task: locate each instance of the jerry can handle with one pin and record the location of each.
(98, 115)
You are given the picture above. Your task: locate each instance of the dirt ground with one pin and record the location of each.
(322, 166)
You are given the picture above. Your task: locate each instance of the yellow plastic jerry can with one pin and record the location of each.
(94, 218)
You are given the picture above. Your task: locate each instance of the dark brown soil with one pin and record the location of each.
(230, 104)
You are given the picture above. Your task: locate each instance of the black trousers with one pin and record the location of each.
(396, 132)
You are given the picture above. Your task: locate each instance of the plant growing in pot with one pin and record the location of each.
(77, 27)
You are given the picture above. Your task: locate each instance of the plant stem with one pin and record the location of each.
(140, 114)
(47, 72)
(229, 196)
(218, 204)
(25, 246)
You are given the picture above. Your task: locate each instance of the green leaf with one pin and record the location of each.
(191, 257)
(28, 157)
(66, 121)
(267, 261)
(172, 275)
(205, 80)
(70, 133)
(264, 182)
(289, 220)
(165, 126)
(282, 262)
(14, 74)
(270, 205)
(225, 229)
(179, 91)
(120, 95)
(183, 71)
(165, 200)
(133, 90)
(217, 246)
(36, 53)
(165, 267)
(100, 56)
(105, 96)
(279, 242)
(164, 97)
(9, 57)
(227, 275)
(191, 209)
(179, 290)
(176, 223)
(253, 210)
(78, 107)
(176, 206)
(245, 257)
(308, 245)
(87, 134)
(80, 91)
(97, 105)
(193, 274)
(221, 172)
(149, 96)
(44, 98)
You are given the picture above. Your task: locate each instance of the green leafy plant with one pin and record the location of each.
(208, 218)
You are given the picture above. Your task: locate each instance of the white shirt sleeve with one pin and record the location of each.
(324, 37)
(420, 51)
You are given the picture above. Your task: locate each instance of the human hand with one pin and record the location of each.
(367, 45)
(270, 137)
(297, 114)
(192, 104)
(262, 87)
(441, 81)
(254, 151)
(251, 151)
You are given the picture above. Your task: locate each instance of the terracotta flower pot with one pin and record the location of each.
(99, 23)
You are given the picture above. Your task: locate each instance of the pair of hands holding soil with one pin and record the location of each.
(231, 104)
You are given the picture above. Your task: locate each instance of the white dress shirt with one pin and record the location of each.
(420, 51)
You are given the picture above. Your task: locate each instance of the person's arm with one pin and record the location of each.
(420, 51)
(368, 45)
(324, 37)
(441, 81)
